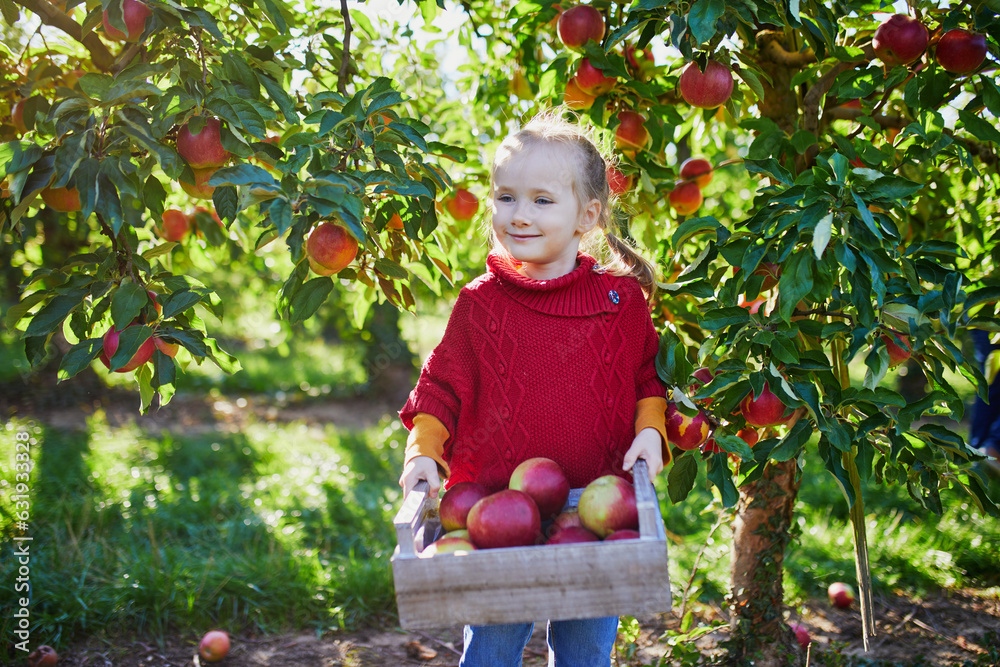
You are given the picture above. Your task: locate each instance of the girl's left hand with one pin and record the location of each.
(648, 445)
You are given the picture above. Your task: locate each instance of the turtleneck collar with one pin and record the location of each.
(586, 290)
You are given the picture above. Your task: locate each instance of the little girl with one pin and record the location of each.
(548, 354)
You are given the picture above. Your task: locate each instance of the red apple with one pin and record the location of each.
(507, 518)
(214, 646)
(578, 25)
(685, 198)
(608, 504)
(63, 200)
(697, 169)
(17, 116)
(899, 40)
(463, 533)
(754, 305)
(707, 89)
(841, 595)
(575, 98)
(545, 482)
(801, 635)
(898, 347)
(701, 377)
(572, 535)
(684, 431)
(203, 149)
(43, 656)
(463, 205)
(135, 14)
(618, 183)
(169, 349)
(631, 132)
(749, 436)
(592, 80)
(175, 225)
(395, 222)
(564, 520)
(140, 357)
(639, 62)
(448, 545)
(960, 51)
(456, 503)
(623, 534)
(330, 248)
(764, 410)
(200, 189)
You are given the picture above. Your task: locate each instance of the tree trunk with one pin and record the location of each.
(761, 534)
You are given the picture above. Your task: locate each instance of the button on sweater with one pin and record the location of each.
(530, 368)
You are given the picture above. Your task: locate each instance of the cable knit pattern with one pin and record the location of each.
(540, 368)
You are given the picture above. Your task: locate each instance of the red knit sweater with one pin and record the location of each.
(532, 368)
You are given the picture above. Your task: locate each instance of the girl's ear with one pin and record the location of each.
(589, 216)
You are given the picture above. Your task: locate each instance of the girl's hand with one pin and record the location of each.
(648, 445)
(420, 468)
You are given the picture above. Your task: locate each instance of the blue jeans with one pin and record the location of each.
(581, 643)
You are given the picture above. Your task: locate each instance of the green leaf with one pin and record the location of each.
(796, 438)
(79, 357)
(280, 96)
(19, 311)
(127, 303)
(391, 269)
(681, 478)
(892, 188)
(980, 129)
(308, 298)
(129, 342)
(242, 174)
(702, 18)
(720, 318)
(178, 302)
(795, 283)
(52, 314)
(225, 361)
(822, 234)
(672, 365)
(720, 476)
(226, 201)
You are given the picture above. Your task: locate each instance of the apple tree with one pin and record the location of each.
(258, 120)
(851, 227)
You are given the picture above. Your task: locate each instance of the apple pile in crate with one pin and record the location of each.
(473, 518)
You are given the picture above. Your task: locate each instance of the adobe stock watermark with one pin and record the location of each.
(22, 442)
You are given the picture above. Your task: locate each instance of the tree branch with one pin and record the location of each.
(51, 16)
(811, 101)
(345, 59)
(769, 43)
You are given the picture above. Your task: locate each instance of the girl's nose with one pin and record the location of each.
(519, 218)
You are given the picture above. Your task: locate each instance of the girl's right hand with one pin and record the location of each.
(420, 468)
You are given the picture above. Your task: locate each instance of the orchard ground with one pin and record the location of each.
(946, 626)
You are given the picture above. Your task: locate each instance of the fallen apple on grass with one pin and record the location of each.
(214, 646)
(801, 635)
(43, 656)
(841, 595)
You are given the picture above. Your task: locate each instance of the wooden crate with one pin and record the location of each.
(536, 583)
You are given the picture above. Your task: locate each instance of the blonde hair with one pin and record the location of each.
(591, 182)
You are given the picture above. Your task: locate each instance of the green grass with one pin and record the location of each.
(272, 528)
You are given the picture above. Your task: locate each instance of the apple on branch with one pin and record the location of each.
(463, 205)
(900, 40)
(202, 148)
(960, 51)
(110, 346)
(592, 80)
(579, 25)
(764, 410)
(685, 431)
(330, 248)
(708, 89)
(575, 98)
(685, 198)
(64, 200)
(697, 169)
(134, 14)
(631, 133)
(618, 183)
(174, 225)
(200, 189)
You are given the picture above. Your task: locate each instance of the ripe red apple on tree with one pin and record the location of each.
(395, 222)
(575, 98)
(898, 347)
(544, 480)
(200, 189)
(708, 89)
(631, 132)
(463, 205)
(899, 40)
(448, 545)
(841, 595)
(64, 200)
(578, 25)
(330, 248)
(764, 410)
(592, 80)
(618, 183)
(202, 149)
(685, 198)
(169, 349)
(134, 14)
(43, 656)
(685, 431)
(608, 504)
(960, 51)
(640, 62)
(754, 305)
(572, 535)
(174, 226)
(456, 503)
(697, 169)
(214, 646)
(141, 356)
(507, 518)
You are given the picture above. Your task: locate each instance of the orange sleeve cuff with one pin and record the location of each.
(651, 413)
(427, 438)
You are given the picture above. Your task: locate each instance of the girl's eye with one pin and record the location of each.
(505, 198)
(543, 200)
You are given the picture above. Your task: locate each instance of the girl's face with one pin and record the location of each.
(537, 216)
